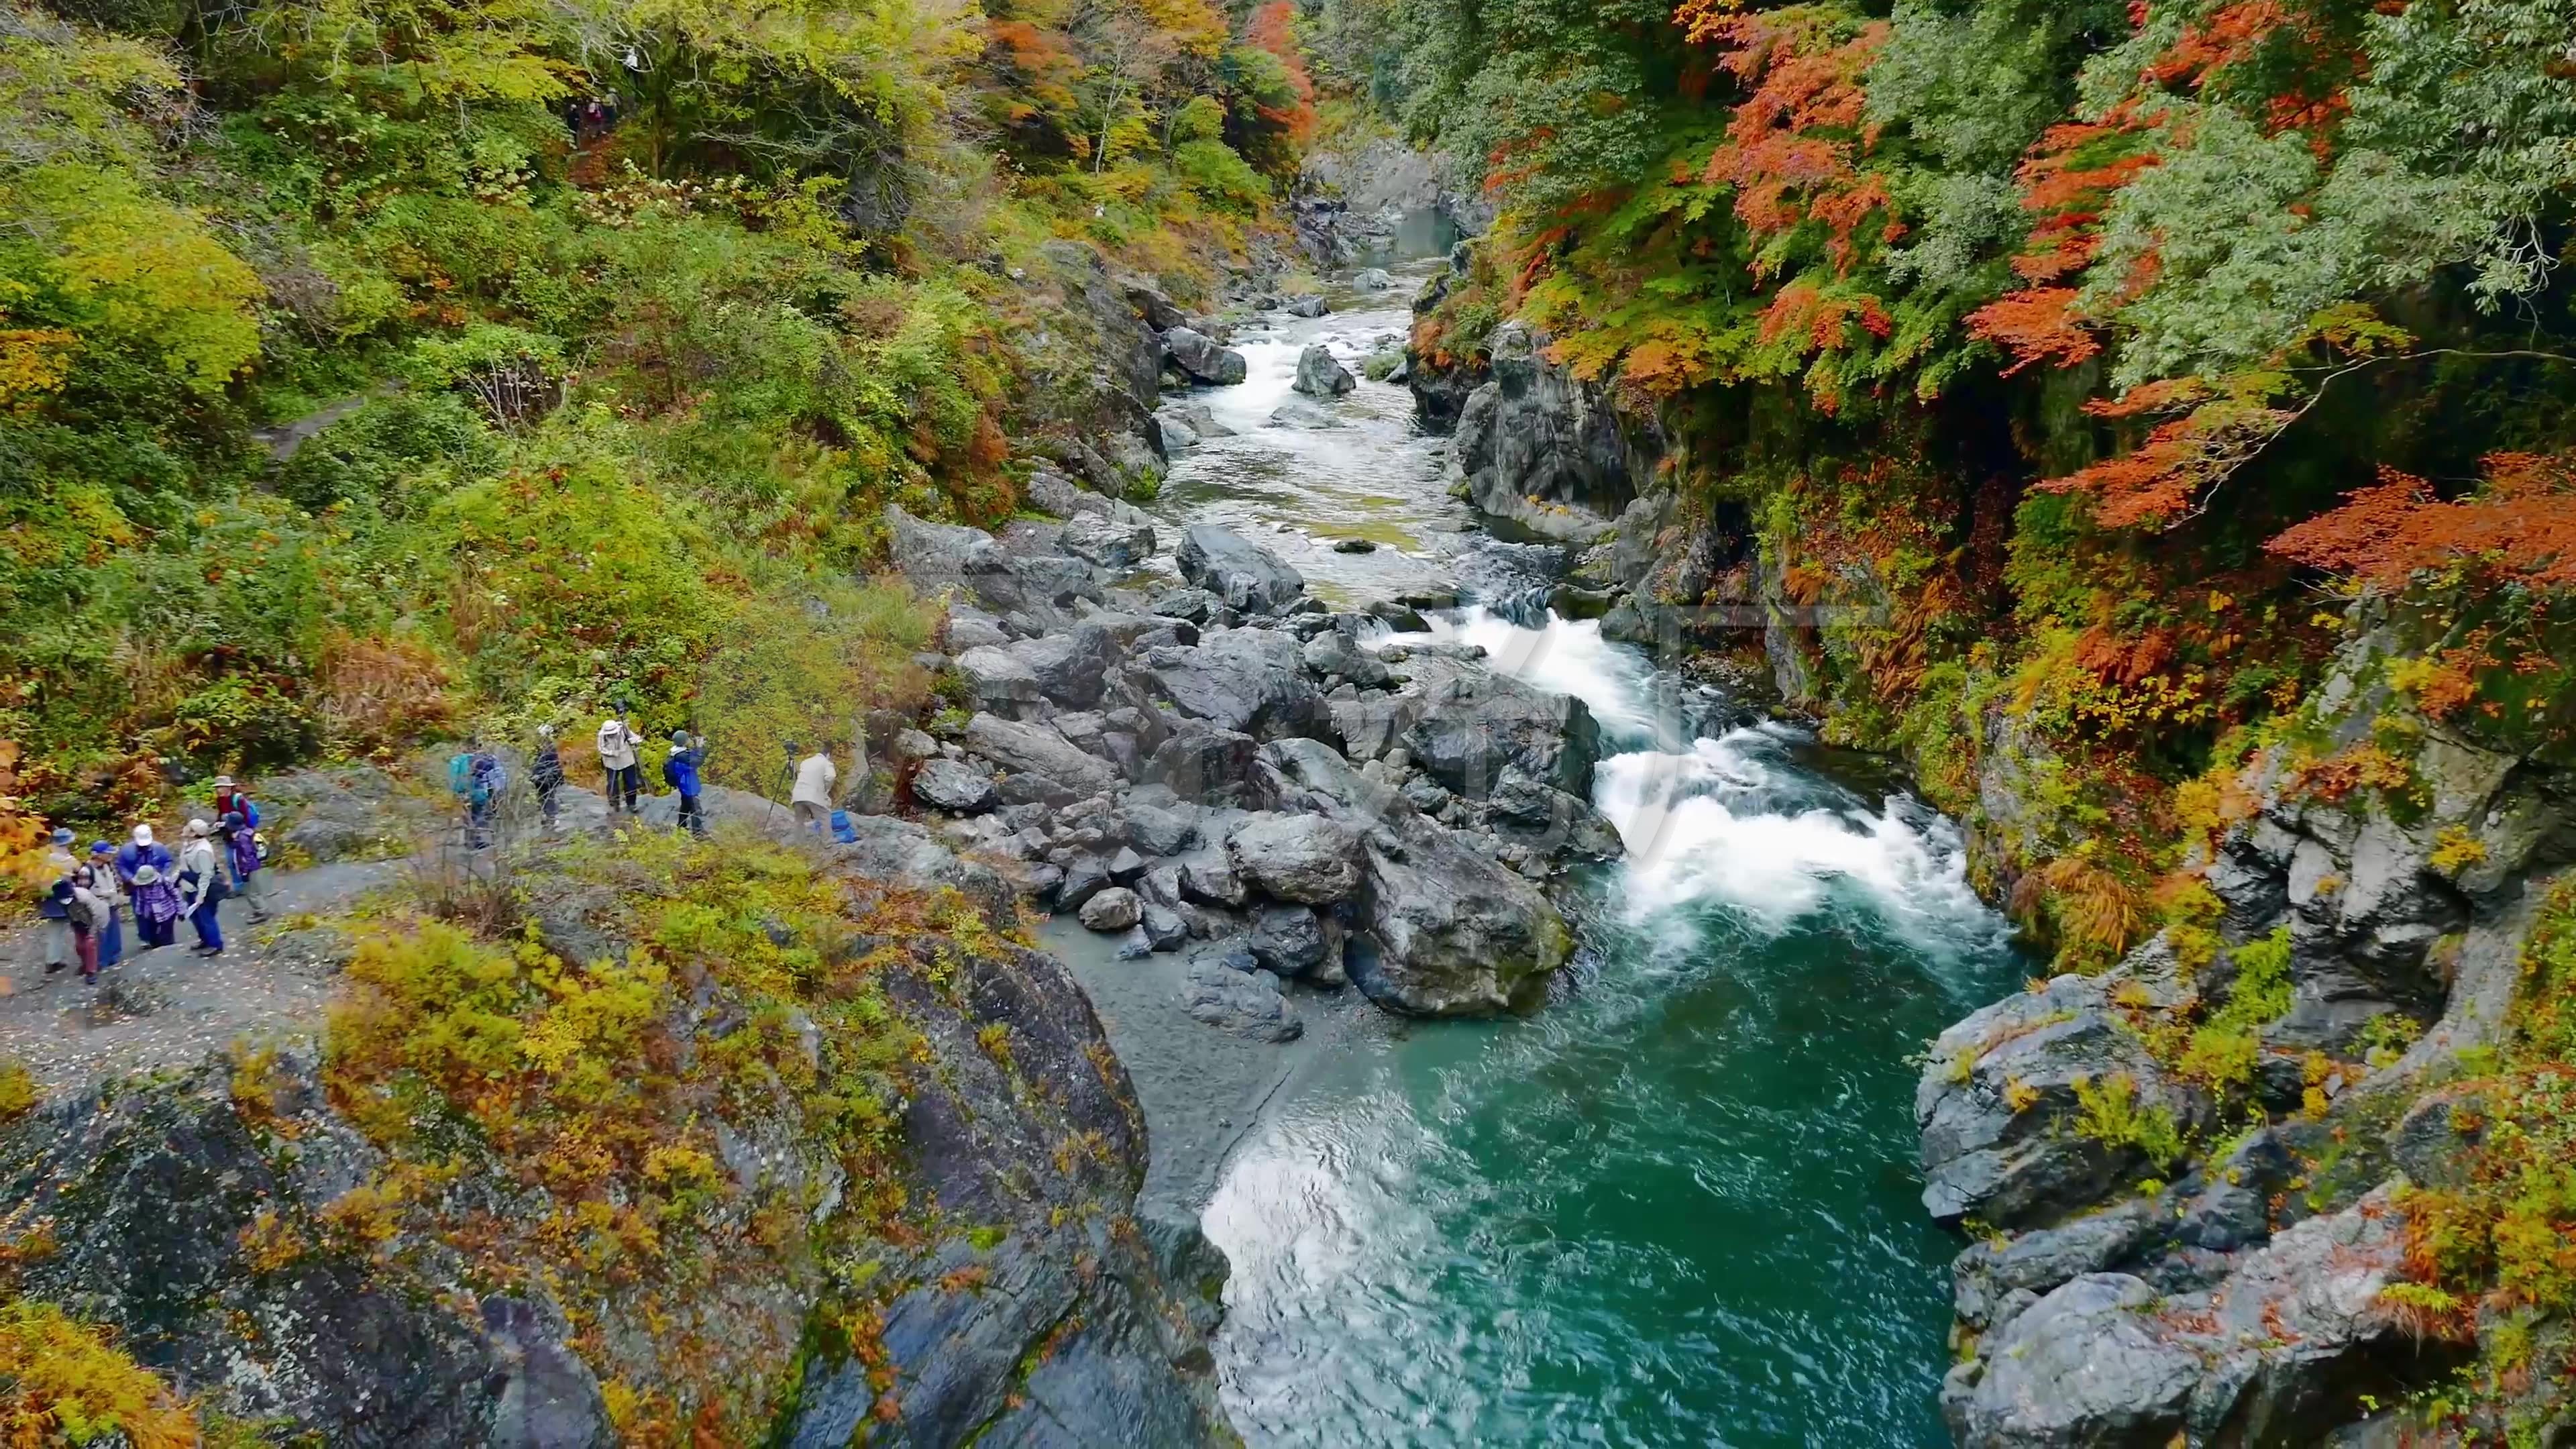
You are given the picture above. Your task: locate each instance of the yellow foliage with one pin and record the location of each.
(65, 1382)
(141, 271)
(2455, 850)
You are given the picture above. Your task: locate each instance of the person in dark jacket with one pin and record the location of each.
(111, 892)
(680, 772)
(546, 773)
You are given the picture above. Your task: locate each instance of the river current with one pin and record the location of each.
(1676, 1206)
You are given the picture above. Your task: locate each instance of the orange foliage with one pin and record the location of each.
(2520, 526)
(2170, 475)
(1790, 148)
(2037, 325)
(1800, 309)
(1273, 29)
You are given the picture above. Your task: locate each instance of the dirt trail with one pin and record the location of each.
(274, 978)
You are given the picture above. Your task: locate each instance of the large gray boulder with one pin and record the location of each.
(2000, 1100)
(1070, 667)
(1303, 858)
(1095, 539)
(954, 786)
(1037, 750)
(999, 680)
(1319, 375)
(1471, 723)
(1199, 355)
(1113, 909)
(1245, 575)
(1251, 681)
(1441, 929)
(1210, 766)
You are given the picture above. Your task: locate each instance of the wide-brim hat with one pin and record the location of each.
(147, 875)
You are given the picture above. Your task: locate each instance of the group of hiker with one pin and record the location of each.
(85, 908)
(476, 776)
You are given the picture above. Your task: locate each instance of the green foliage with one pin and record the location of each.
(2108, 1112)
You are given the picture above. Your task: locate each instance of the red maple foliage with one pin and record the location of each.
(1791, 149)
(2519, 527)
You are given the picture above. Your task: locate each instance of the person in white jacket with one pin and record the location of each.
(812, 800)
(619, 741)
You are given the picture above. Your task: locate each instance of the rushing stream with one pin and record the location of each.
(1675, 1207)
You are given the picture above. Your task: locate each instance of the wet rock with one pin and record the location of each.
(1085, 876)
(1247, 1003)
(1989, 1272)
(954, 786)
(1037, 749)
(1113, 909)
(1164, 927)
(1472, 723)
(1152, 829)
(1310, 304)
(1319, 375)
(1202, 358)
(2281, 1353)
(1305, 858)
(1302, 413)
(938, 555)
(1335, 653)
(1178, 437)
(1353, 545)
(1126, 865)
(1197, 606)
(1242, 573)
(1540, 450)
(1070, 667)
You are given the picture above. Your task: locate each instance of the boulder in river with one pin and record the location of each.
(1199, 355)
(1310, 304)
(1473, 721)
(1319, 375)
(1304, 858)
(1441, 928)
(1113, 909)
(1373, 279)
(1247, 1003)
(1234, 568)
(1298, 412)
(1097, 540)
(2000, 1099)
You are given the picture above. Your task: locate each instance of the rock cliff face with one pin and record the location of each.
(2188, 1236)
(1542, 452)
(249, 1239)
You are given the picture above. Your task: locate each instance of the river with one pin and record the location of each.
(1678, 1205)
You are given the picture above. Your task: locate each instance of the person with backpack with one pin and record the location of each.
(618, 743)
(104, 885)
(231, 799)
(146, 868)
(680, 772)
(201, 888)
(474, 777)
(241, 857)
(546, 773)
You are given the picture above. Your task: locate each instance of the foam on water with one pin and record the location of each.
(1568, 656)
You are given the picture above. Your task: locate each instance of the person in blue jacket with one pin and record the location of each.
(680, 772)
